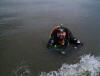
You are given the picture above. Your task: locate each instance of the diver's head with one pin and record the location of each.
(61, 33)
(59, 25)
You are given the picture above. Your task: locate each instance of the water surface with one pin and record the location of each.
(25, 27)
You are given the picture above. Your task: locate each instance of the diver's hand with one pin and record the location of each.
(77, 43)
(50, 43)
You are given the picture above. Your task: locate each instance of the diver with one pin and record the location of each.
(61, 37)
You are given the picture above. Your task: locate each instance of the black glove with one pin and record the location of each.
(50, 43)
(77, 42)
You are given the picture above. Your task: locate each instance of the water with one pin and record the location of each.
(88, 66)
(24, 31)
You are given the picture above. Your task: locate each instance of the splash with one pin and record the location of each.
(88, 66)
(22, 70)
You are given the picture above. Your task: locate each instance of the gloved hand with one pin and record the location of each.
(77, 42)
(50, 43)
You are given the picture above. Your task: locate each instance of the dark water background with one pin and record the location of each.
(25, 26)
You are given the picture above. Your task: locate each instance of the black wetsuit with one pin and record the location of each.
(69, 39)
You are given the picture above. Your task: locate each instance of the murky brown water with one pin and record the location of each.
(25, 27)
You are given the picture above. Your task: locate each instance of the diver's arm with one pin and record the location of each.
(72, 39)
(50, 43)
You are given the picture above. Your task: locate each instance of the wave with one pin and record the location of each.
(22, 70)
(88, 66)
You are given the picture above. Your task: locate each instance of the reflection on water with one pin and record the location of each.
(25, 26)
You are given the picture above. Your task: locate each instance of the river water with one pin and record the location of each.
(25, 26)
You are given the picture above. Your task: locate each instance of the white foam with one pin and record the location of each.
(88, 66)
(22, 70)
